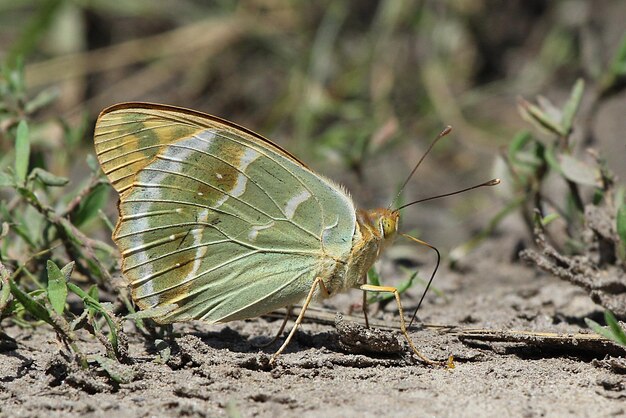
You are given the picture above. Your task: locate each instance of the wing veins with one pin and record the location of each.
(175, 252)
(127, 133)
(187, 280)
(296, 277)
(204, 183)
(280, 164)
(255, 183)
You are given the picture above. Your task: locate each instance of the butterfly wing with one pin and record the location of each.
(216, 220)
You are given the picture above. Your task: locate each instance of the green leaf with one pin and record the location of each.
(621, 222)
(93, 163)
(536, 116)
(105, 219)
(599, 329)
(618, 66)
(619, 336)
(17, 225)
(42, 99)
(620, 69)
(57, 285)
(35, 308)
(22, 152)
(373, 277)
(598, 196)
(546, 220)
(90, 206)
(5, 288)
(571, 107)
(403, 287)
(87, 299)
(47, 178)
(549, 156)
(407, 284)
(67, 270)
(94, 292)
(13, 73)
(613, 332)
(579, 172)
(518, 143)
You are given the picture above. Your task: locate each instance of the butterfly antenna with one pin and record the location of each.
(432, 275)
(492, 182)
(443, 133)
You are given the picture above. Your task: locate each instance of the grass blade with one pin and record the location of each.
(571, 107)
(621, 222)
(31, 305)
(93, 304)
(617, 332)
(22, 152)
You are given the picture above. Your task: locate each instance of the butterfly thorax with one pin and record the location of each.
(375, 231)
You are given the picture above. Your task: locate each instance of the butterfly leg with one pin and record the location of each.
(391, 289)
(317, 282)
(280, 331)
(365, 307)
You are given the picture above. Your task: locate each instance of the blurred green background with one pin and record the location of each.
(357, 89)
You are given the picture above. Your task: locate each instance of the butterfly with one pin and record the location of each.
(220, 224)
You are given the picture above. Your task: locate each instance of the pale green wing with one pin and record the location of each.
(214, 218)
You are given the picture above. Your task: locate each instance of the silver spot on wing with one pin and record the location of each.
(294, 202)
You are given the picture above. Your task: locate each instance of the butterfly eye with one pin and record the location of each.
(388, 227)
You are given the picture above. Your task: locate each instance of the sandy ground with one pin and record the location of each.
(217, 371)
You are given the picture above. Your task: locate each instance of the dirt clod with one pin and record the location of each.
(355, 338)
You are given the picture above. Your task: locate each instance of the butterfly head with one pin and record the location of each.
(388, 222)
(381, 223)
